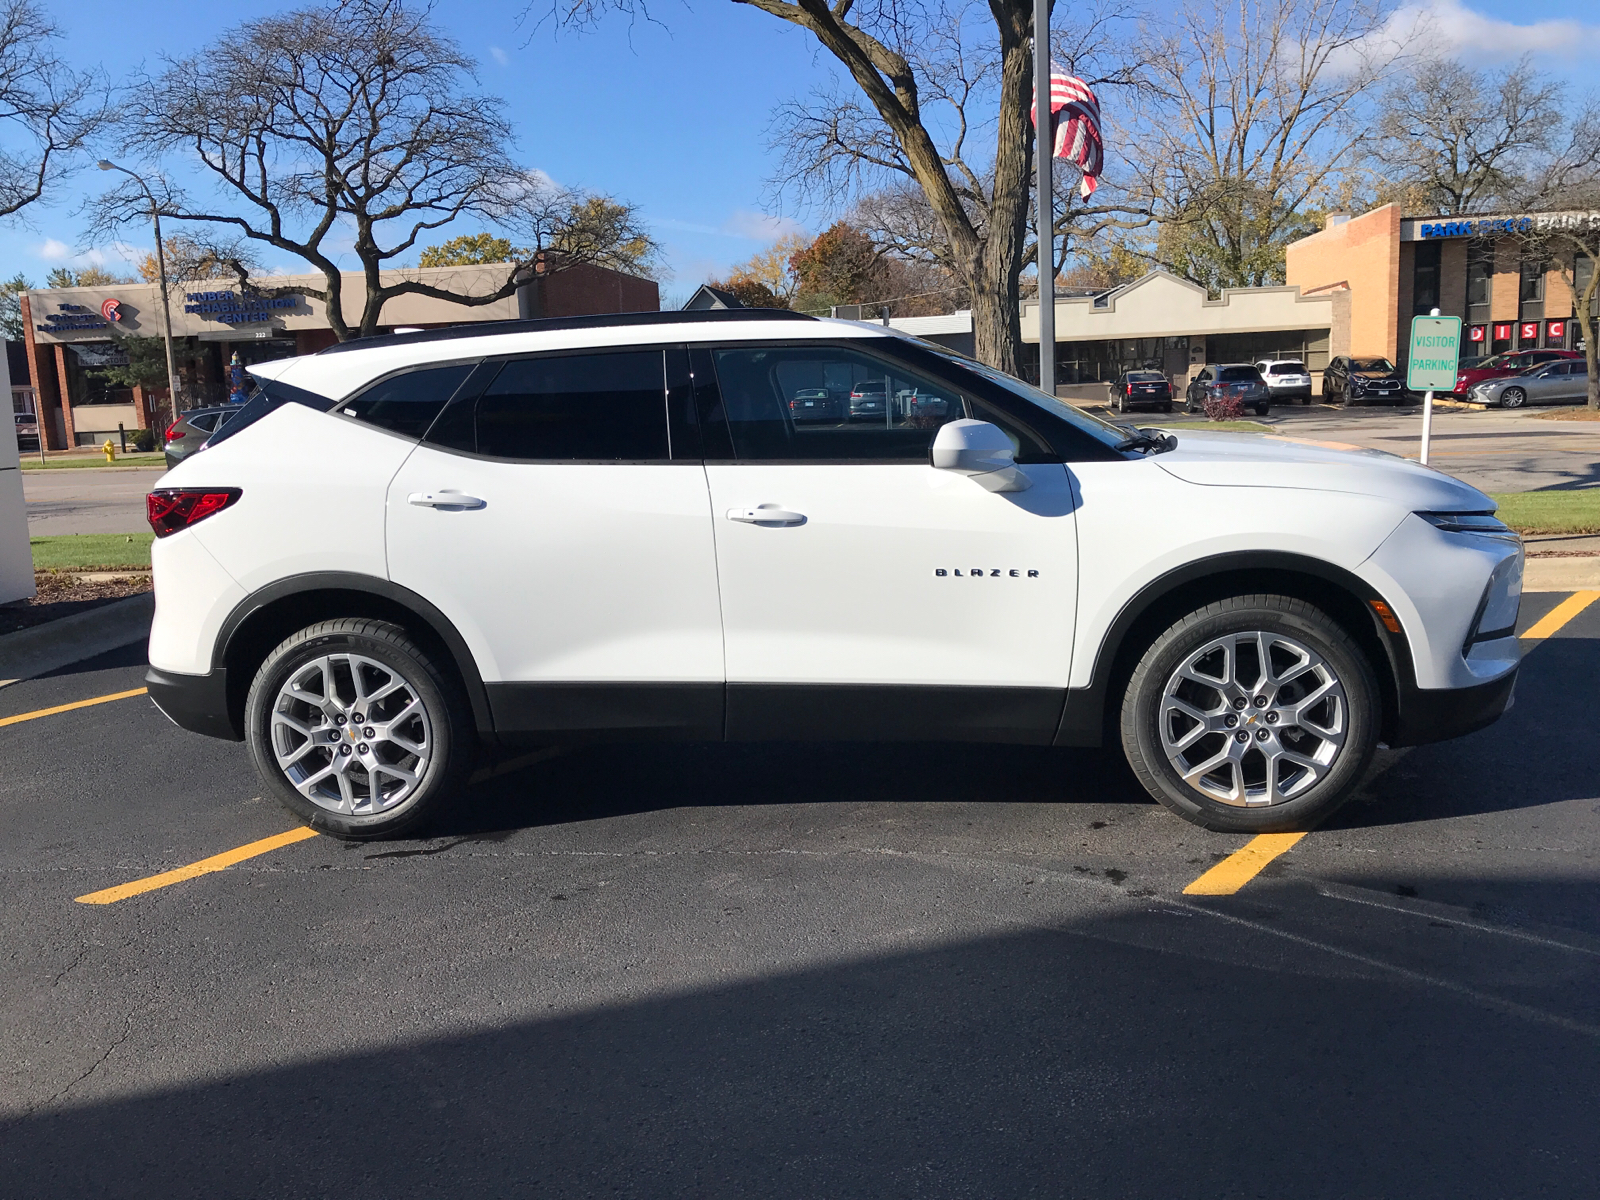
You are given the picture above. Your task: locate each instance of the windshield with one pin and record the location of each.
(1372, 364)
(1102, 431)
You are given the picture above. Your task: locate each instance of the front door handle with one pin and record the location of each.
(445, 498)
(766, 514)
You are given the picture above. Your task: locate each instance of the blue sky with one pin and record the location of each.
(672, 116)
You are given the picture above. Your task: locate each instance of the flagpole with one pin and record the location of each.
(1043, 146)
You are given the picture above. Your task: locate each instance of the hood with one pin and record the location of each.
(1264, 460)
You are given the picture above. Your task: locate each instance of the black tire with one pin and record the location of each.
(1167, 407)
(449, 733)
(1261, 410)
(1302, 809)
(1121, 404)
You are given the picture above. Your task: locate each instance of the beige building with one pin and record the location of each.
(74, 333)
(1165, 323)
(1477, 268)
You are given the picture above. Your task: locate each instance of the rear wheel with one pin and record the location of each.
(1261, 410)
(1167, 407)
(1254, 714)
(1513, 397)
(356, 730)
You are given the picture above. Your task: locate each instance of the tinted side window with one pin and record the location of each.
(407, 404)
(829, 403)
(609, 407)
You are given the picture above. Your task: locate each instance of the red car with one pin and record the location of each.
(1512, 362)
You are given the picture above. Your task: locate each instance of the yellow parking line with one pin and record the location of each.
(205, 866)
(61, 708)
(1558, 616)
(1240, 867)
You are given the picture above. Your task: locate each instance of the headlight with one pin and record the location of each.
(1468, 522)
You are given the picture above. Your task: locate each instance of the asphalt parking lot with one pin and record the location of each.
(800, 971)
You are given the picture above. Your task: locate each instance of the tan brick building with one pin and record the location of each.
(73, 331)
(1477, 268)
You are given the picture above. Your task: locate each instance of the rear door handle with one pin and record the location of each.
(444, 498)
(766, 514)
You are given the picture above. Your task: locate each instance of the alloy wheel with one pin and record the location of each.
(351, 734)
(1253, 719)
(1513, 397)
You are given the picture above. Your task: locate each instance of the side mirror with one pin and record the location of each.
(982, 450)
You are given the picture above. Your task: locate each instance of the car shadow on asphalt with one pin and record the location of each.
(597, 782)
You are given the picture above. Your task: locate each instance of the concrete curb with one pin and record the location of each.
(45, 648)
(1561, 574)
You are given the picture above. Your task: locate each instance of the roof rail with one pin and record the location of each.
(553, 324)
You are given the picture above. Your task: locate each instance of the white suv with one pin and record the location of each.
(1287, 379)
(408, 548)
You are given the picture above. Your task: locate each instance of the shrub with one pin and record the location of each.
(1224, 408)
(142, 439)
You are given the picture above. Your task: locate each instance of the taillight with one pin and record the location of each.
(1130, 389)
(172, 509)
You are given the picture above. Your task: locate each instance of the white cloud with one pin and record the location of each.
(52, 250)
(759, 227)
(1449, 27)
(499, 55)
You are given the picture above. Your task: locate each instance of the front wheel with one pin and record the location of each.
(356, 730)
(1255, 714)
(1513, 397)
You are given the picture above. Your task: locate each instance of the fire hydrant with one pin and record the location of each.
(111, 450)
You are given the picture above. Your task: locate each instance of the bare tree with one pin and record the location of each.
(47, 109)
(1259, 120)
(352, 119)
(1454, 140)
(1566, 192)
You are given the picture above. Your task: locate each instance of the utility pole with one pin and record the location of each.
(1044, 144)
(161, 271)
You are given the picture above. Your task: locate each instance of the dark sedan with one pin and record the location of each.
(1148, 389)
(1350, 380)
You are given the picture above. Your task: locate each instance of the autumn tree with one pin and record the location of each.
(748, 291)
(350, 118)
(772, 269)
(91, 276)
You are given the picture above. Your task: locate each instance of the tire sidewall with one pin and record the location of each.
(444, 718)
(1276, 614)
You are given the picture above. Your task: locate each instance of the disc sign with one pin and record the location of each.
(1435, 348)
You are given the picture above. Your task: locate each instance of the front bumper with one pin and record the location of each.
(198, 703)
(1439, 714)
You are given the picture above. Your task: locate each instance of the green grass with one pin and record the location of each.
(1551, 512)
(85, 551)
(68, 464)
(1237, 426)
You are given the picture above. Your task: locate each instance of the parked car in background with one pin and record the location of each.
(1503, 366)
(868, 399)
(815, 404)
(1362, 380)
(27, 431)
(1219, 380)
(1135, 389)
(1559, 382)
(190, 431)
(1287, 379)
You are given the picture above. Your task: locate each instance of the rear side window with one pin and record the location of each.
(608, 407)
(407, 404)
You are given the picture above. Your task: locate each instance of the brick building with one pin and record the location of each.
(1481, 269)
(73, 332)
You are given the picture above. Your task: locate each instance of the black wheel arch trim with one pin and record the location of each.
(348, 581)
(1083, 721)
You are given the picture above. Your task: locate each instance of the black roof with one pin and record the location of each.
(553, 324)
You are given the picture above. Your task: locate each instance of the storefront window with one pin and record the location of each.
(1425, 278)
(1530, 289)
(1480, 282)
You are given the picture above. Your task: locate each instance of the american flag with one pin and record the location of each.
(1075, 116)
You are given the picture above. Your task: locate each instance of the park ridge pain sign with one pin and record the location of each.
(1435, 350)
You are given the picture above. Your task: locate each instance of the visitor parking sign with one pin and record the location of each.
(1435, 348)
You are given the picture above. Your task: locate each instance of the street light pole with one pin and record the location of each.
(161, 271)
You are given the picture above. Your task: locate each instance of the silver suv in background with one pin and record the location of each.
(190, 431)
(1287, 379)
